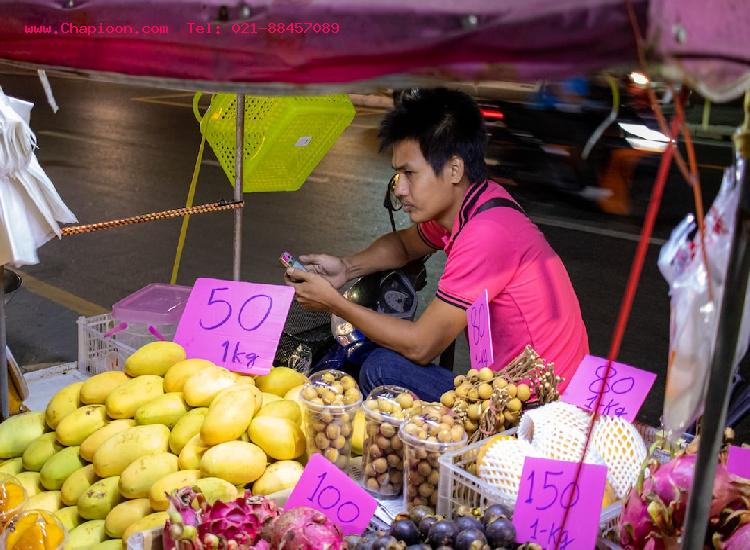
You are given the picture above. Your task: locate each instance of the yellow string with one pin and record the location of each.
(186, 217)
(742, 137)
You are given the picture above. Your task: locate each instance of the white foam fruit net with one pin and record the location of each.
(621, 446)
(559, 432)
(502, 467)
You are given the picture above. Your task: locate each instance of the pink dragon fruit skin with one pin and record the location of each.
(240, 520)
(740, 539)
(635, 521)
(182, 514)
(303, 529)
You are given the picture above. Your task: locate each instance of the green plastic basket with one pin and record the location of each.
(285, 137)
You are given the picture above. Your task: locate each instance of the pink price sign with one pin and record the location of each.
(738, 461)
(625, 388)
(326, 488)
(549, 488)
(235, 324)
(480, 335)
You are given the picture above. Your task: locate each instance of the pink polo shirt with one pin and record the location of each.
(531, 298)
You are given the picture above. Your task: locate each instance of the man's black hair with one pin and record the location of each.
(444, 122)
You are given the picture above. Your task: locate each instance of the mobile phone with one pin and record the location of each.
(287, 260)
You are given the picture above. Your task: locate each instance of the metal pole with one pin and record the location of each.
(722, 366)
(4, 396)
(238, 164)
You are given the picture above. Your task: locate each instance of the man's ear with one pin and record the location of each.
(456, 169)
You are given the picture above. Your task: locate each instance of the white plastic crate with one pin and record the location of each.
(95, 352)
(458, 487)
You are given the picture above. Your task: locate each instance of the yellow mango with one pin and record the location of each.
(178, 373)
(86, 535)
(12, 466)
(151, 521)
(280, 380)
(283, 408)
(116, 454)
(154, 358)
(228, 415)
(39, 451)
(136, 480)
(17, 433)
(190, 456)
(279, 438)
(94, 441)
(358, 432)
(269, 398)
(158, 493)
(100, 498)
(234, 461)
(57, 469)
(166, 409)
(295, 394)
(62, 404)
(30, 482)
(186, 428)
(201, 388)
(46, 500)
(126, 398)
(214, 488)
(111, 544)
(78, 483)
(81, 423)
(96, 389)
(69, 517)
(126, 514)
(279, 476)
(243, 378)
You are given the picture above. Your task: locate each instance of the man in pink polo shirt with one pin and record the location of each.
(438, 140)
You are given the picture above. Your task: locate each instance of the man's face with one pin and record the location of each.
(424, 194)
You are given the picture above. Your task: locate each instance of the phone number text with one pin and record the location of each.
(295, 27)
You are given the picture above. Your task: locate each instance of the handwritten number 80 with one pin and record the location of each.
(477, 314)
(212, 300)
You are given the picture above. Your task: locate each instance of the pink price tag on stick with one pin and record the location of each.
(235, 324)
(326, 488)
(625, 388)
(738, 461)
(548, 487)
(480, 335)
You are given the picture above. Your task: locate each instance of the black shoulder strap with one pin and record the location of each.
(497, 202)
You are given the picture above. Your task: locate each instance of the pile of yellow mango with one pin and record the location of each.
(106, 452)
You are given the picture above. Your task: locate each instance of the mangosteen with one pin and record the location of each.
(425, 524)
(364, 543)
(418, 513)
(493, 512)
(442, 533)
(420, 546)
(470, 539)
(500, 532)
(468, 522)
(406, 531)
(386, 542)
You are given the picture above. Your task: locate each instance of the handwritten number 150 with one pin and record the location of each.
(213, 300)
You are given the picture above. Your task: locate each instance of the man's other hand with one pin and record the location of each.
(312, 291)
(331, 268)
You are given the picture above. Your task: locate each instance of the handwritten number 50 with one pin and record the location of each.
(566, 499)
(213, 300)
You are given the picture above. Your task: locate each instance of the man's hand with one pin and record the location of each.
(331, 268)
(314, 292)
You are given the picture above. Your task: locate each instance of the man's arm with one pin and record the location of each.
(420, 341)
(391, 251)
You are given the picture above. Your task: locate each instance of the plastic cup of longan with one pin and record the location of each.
(331, 399)
(383, 451)
(426, 434)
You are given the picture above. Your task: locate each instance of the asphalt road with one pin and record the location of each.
(116, 151)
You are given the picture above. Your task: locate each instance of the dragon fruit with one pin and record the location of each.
(303, 529)
(654, 512)
(194, 524)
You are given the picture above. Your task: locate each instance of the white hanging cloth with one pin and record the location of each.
(30, 207)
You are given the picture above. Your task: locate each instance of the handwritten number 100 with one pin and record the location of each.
(332, 499)
(212, 300)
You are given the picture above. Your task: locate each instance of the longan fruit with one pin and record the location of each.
(473, 373)
(458, 380)
(405, 400)
(514, 405)
(473, 394)
(321, 441)
(331, 454)
(448, 398)
(486, 374)
(512, 390)
(309, 393)
(523, 392)
(485, 391)
(474, 411)
(499, 383)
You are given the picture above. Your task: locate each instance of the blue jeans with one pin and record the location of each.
(384, 366)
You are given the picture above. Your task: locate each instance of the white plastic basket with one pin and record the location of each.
(95, 352)
(458, 487)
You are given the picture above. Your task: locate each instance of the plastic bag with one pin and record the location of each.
(694, 313)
